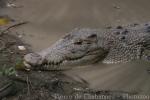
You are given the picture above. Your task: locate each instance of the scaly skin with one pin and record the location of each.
(87, 46)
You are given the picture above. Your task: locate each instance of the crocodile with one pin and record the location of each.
(83, 46)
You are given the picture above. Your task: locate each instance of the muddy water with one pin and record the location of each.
(131, 77)
(51, 19)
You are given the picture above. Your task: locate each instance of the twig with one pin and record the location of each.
(3, 45)
(13, 26)
(5, 87)
(28, 84)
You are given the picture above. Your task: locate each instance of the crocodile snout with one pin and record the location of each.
(32, 59)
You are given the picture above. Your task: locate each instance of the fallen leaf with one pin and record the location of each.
(4, 21)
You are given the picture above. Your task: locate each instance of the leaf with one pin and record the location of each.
(4, 21)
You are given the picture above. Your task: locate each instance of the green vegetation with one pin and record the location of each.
(8, 71)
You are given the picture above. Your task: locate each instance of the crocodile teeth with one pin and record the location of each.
(28, 66)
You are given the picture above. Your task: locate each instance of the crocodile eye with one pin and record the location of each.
(92, 36)
(78, 42)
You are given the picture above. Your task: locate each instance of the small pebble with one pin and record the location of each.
(115, 6)
(20, 36)
(11, 5)
(22, 48)
(77, 89)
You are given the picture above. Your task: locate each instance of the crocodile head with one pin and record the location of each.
(79, 47)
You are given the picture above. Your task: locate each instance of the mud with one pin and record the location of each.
(51, 19)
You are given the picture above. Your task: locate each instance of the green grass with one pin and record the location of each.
(8, 71)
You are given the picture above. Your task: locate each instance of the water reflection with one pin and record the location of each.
(131, 76)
